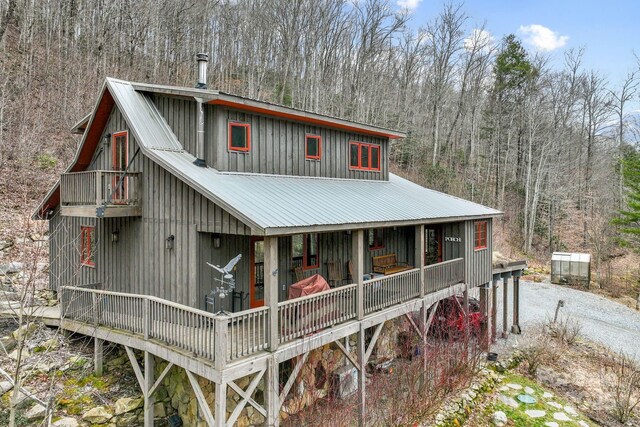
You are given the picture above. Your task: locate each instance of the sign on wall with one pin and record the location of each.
(453, 239)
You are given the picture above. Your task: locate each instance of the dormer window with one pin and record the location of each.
(363, 156)
(313, 147)
(239, 136)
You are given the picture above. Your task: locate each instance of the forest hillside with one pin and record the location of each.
(487, 120)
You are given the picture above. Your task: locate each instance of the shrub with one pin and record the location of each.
(621, 376)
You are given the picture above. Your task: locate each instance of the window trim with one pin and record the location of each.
(85, 237)
(378, 237)
(245, 125)
(306, 146)
(480, 240)
(304, 251)
(368, 146)
(114, 136)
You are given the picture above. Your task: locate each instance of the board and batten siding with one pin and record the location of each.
(277, 145)
(478, 264)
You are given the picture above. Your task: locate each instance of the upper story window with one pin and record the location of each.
(313, 147)
(376, 236)
(363, 156)
(304, 250)
(480, 237)
(87, 246)
(120, 150)
(239, 136)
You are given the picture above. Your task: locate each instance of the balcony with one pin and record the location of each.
(100, 194)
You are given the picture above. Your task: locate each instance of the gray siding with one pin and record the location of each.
(453, 250)
(478, 262)
(277, 145)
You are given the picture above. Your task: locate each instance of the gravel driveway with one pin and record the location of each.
(607, 322)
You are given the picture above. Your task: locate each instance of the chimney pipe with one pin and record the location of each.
(202, 58)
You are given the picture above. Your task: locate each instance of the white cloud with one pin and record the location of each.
(479, 39)
(542, 38)
(408, 4)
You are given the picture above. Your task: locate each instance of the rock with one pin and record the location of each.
(21, 397)
(159, 411)
(514, 386)
(509, 401)
(47, 366)
(5, 244)
(128, 404)
(535, 413)
(583, 424)
(36, 411)
(11, 268)
(66, 422)
(561, 416)
(569, 410)
(127, 420)
(499, 418)
(14, 354)
(8, 342)
(555, 405)
(504, 388)
(5, 386)
(24, 331)
(529, 390)
(51, 344)
(551, 424)
(97, 415)
(547, 395)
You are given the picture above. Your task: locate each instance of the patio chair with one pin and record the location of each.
(298, 273)
(335, 273)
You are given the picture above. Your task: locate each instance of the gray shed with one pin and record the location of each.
(570, 268)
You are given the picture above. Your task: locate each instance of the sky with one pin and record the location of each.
(608, 30)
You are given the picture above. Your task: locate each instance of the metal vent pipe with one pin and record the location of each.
(202, 59)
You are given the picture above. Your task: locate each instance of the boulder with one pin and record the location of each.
(24, 331)
(66, 422)
(11, 268)
(509, 401)
(126, 420)
(97, 415)
(128, 404)
(499, 418)
(159, 411)
(37, 411)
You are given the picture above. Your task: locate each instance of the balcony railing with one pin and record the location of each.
(100, 189)
(223, 338)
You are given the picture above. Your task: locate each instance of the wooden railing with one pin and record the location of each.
(383, 292)
(92, 188)
(442, 275)
(248, 332)
(301, 316)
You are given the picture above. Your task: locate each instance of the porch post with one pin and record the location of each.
(272, 392)
(515, 328)
(505, 306)
(98, 356)
(362, 349)
(271, 288)
(494, 310)
(357, 259)
(485, 301)
(149, 379)
(419, 256)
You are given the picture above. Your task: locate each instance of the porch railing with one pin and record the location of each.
(248, 332)
(383, 292)
(301, 316)
(444, 274)
(92, 188)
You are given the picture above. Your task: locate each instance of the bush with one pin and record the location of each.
(46, 161)
(621, 376)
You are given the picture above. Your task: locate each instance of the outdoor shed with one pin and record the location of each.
(570, 268)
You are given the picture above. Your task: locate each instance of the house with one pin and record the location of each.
(168, 180)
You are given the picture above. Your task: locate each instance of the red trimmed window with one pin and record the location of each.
(363, 156)
(313, 147)
(239, 136)
(376, 236)
(480, 237)
(304, 250)
(87, 246)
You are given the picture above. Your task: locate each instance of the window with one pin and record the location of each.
(239, 136)
(480, 235)
(87, 246)
(376, 238)
(313, 147)
(304, 250)
(364, 156)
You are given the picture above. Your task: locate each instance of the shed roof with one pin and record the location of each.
(278, 204)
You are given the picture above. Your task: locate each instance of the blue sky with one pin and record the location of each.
(608, 30)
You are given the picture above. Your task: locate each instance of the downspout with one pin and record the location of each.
(202, 59)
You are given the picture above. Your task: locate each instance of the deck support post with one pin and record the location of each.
(221, 404)
(271, 288)
(362, 361)
(357, 259)
(485, 302)
(515, 328)
(505, 306)
(98, 356)
(149, 365)
(418, 258)
(494, 310)
(272, 392)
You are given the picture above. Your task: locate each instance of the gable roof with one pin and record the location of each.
(278, 204)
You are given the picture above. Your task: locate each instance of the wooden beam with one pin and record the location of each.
(271, 288)
(362, 360)
(202, 401)
(136, 368)
(505, 307)
(157, 383)
(246, 398)
(494, 310)
(293, 376)
(515, 328)
(357, 261)
(430, 318)
(98, 356)
(221, 404)
(148, 383)
(410, 319)
(272, 392)
(372, 343)
(348, 355)
(419, 255)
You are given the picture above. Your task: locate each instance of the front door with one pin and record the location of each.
(432, 245)
(120, 155)
(256, 269)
